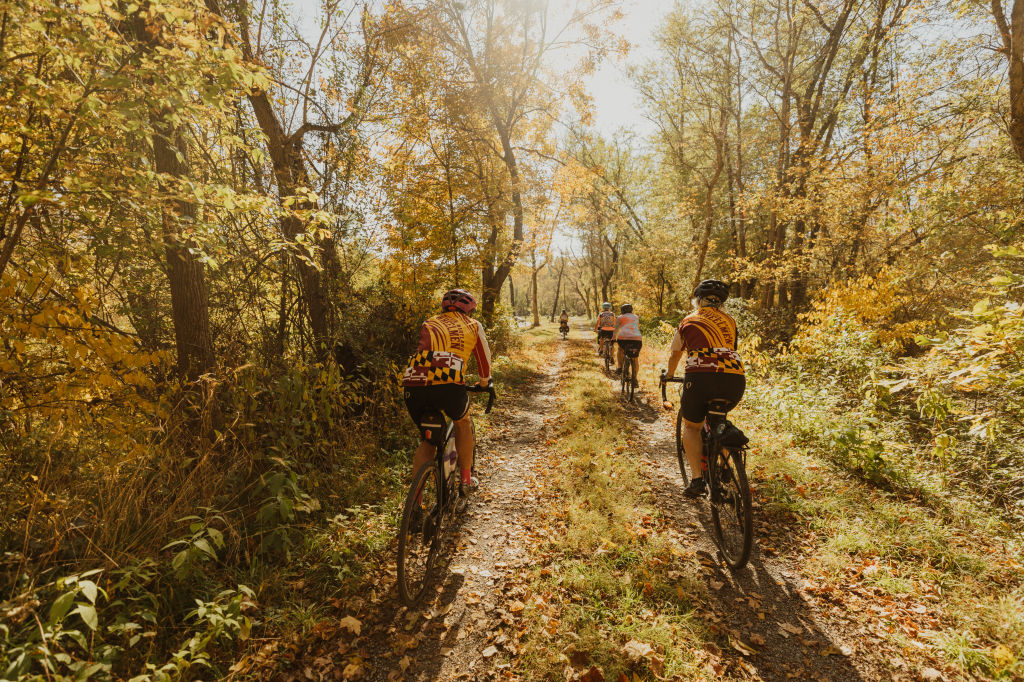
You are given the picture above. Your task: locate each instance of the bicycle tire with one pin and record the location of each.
(630, 388)
(730, 477)
(680, 451)
(607, 356)
(624, 375)
(412, 584)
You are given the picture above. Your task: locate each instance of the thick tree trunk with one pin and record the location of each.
(190, 307)
(1012, 33)
(558, 289)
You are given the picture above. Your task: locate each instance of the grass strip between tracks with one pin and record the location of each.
(614, 591)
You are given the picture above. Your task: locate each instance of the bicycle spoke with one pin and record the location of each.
(419, 539)
(731, 510)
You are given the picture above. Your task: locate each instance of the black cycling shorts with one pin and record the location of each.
(451, 399)
(701, 387)
(604, 333)
(631, 347)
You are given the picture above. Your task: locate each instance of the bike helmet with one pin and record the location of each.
(712, 288)
(458, 299)
(606, 306)
(626, 308)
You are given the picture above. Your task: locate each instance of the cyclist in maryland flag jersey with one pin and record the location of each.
(605, 326)
(435, 377)
(708, 337)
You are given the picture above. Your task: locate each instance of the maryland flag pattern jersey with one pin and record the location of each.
(446, 342)
(709, 338)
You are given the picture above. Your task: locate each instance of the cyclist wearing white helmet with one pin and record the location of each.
(708, 337)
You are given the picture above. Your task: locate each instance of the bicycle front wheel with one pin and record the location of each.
(419, 536)
(680, 451)
(731, 509)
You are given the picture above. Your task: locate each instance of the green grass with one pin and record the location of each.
(613, 572)
(946, 564)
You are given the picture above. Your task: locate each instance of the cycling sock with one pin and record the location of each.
(467, 476)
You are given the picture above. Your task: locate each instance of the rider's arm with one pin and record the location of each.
(482, 353)
(675, 354)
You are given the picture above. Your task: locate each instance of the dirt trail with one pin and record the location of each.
(462, 636)
(762, 608)
(467, 632)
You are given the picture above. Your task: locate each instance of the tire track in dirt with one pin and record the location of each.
(461, 634)
(760, 609)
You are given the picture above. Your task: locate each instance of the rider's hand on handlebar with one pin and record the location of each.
(484, 383)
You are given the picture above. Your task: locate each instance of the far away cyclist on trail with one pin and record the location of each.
(434, 379)
(714, 369)
(627, 335)
(563, 320)
(605, 326)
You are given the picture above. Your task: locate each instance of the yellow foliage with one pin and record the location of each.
(876, 303)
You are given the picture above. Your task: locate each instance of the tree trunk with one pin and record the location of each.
(190, 307)
(1012, 34)
(558, 289)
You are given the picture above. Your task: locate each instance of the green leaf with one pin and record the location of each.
(204, 546)
(88, 614)
(61, 606)
(89, 589)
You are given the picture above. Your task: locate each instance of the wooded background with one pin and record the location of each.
(219, 234)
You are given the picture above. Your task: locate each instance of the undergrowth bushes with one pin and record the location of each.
(153, 547)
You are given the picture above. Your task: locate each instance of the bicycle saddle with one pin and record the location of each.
(718, 408)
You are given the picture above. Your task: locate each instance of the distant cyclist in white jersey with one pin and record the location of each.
(628, 337)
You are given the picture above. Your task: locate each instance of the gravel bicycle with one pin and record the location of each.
(628, 377)
(605, 350)
(724, 464)
(564, 330)
(430, 506)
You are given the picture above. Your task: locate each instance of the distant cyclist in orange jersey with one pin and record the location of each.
(708, 338)
(434, 379)
(605, 326)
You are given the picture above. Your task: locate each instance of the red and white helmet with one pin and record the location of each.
(458, 299)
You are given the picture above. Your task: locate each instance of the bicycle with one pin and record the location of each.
(430, 506)
(725, 472)
(564, 330)
(628, 378)
(606, 352)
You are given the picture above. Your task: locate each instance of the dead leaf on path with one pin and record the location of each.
(931, 675)
(489, 651)
(592, 675)
(716, 584)
(739, 646)
(834, 650)
(354, 670)
(791, 629)
(657, 665)
(351, 624)
(757, 639)
(636, 649)
(516, 606)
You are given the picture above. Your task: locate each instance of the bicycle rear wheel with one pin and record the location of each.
(607, 352)
(680, 451)
(631, 384)
(731, 509)
(419, 536)
(624, 374)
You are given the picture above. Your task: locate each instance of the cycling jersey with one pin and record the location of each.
(605, 321)
(564, 318)
(446, 342)
(709, 338)
(628, 328)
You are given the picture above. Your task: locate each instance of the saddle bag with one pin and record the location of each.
(732, 436)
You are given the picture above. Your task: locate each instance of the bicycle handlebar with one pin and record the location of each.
(477, 388)
(666, 380)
